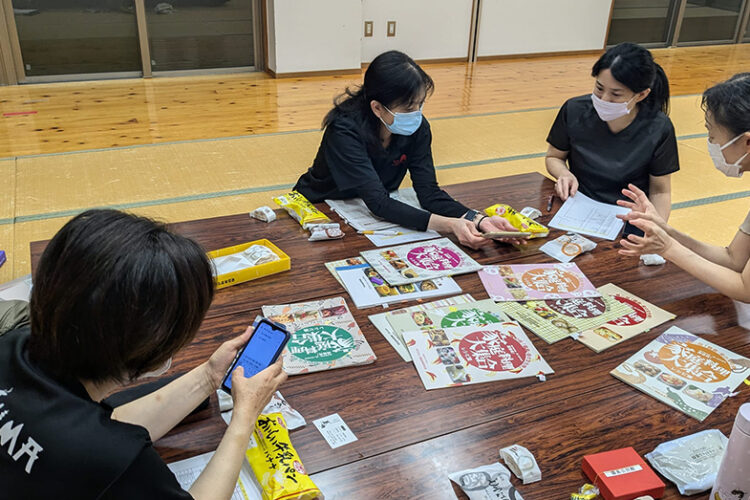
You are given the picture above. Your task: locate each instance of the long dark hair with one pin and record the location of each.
(729, 103)
(634, 67)
(392, 79)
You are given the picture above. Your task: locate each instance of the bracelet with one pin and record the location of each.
(480, 221)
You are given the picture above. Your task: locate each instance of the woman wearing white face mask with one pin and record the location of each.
(618, 135)
(727, 269)
(373, 136)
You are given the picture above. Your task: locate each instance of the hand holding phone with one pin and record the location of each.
(262, 350)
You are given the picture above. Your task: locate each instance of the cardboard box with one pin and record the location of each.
(250, 273)
(622, 475)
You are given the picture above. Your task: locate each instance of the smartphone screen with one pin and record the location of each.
(261, 351)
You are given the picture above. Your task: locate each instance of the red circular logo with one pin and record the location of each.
(638, 315)
(494, 350)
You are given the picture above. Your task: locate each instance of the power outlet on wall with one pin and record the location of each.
(391, 28)
(368, 28)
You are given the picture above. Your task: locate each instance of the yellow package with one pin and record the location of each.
(519, 221)
(301, 209)
(276, 465)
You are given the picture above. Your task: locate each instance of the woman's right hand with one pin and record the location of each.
(252, 394)
(467, 234)
(640, 207)
(566, 185)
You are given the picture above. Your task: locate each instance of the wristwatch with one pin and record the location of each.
(471, 215)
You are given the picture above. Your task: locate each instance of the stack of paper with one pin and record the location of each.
(580, 214)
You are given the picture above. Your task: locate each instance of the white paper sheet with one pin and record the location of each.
(408, 236)
(357, 215)
(187, 471)
(580, 214)
(17, 289)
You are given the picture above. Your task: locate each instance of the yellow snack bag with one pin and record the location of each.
(301, 209)
(519, 221)
(276, 465)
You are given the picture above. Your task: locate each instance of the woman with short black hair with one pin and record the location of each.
(375, 134)
(727, 269)
(115, 296)
(618, 135)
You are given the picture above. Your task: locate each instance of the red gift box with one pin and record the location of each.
(622, 475)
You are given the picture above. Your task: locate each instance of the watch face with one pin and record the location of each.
(471, 215)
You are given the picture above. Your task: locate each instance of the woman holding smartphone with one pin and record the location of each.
(727, 269)
(115, 297)
(373, 136)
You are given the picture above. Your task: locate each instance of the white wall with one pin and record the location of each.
(314, 35)
(425, 29)
(536, 26)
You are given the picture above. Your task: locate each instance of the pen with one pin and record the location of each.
(549, 202)
(382, 233)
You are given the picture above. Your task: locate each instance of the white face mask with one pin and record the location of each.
(159, 371)
(728, 169)
(609, 111)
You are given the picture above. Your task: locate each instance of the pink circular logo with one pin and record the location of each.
(494, 350)
(433, 258)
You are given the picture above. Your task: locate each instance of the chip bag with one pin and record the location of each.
(301, 209)
(276, 465)
(518, 220)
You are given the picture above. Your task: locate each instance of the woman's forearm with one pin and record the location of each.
(555, 166)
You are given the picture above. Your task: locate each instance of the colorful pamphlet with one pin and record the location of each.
(556, 319)
(324, 336)
(415, 262)
(380, 321)
(642, 318)
(446, 357)
(685, 371)
(536, 281)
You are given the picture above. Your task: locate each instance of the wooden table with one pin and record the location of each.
(409, 438)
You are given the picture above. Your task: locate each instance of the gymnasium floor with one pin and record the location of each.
(186, 148)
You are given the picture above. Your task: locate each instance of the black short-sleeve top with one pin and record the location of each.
(604, 162)
(347, 167)
(57, 442)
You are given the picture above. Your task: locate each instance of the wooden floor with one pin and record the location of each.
(187, 148)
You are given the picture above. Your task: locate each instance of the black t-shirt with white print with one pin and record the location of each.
(55, 442)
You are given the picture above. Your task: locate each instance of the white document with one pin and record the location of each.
(357, 215)
(187, 471)
(367, 288)
(17, 289)
(335, 431)
(407, 236)
(580, 214)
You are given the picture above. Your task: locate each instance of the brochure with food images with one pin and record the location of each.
(536, 281)
(685, 371)
(324, 336)
(380, 321)
(642, 317)
(415, 262)
(353, 261)
(556, 319)
(446, 357)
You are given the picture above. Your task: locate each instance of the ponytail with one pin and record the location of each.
(634, 67)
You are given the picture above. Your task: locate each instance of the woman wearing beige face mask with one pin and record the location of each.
(727, 269)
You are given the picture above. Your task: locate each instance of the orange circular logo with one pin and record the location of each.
(550, 280)
(571, 249)
(695, 362)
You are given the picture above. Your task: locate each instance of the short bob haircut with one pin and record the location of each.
(115, 296)
(729, 103)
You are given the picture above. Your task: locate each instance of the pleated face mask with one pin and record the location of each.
(609, 111)
(404, 123)
(721, 164)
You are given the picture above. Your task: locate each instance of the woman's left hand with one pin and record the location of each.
(218, 364)
(497, 223)
(654, 240)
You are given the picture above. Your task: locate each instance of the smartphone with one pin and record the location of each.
(506, 234)
(261, 351)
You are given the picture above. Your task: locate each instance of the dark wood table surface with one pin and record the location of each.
(409, 439)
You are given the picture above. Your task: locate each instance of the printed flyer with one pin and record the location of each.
(478, 313)
(685, 372)
(324, 336)
(446, 357)
(556, 319)
(415, 262)
(643, 316)
(536, 281)
(380, 321)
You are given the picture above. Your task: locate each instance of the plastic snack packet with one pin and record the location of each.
(690, 462)
(531, 212)
(522, 463)
(586, 492)
(293, 418)
(319, 232)
(276, 465)
(519, 221)
(567, 247)
(488, 482)
(301, 209)
(264, 214)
